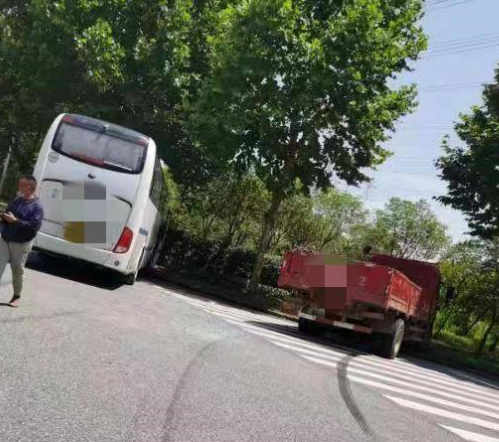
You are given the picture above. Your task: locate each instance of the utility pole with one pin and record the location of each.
(5, 169)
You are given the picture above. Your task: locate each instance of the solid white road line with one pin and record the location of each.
(469, 436)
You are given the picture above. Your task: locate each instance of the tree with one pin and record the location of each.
(488, 296)
(471, 168)
(301, 90)
(123, 60)
(295, 224)
(472, 267)
(225, 209)
(461, 269)
(338, 216)
(408, 230)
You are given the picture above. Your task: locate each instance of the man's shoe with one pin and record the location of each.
(14, 302)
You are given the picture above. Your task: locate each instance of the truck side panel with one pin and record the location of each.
(403, 294)
(425, 275)
(336, 285)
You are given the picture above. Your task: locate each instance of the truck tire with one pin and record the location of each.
(388, 345)
(306, 326)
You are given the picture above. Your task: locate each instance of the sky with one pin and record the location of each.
(462, 55)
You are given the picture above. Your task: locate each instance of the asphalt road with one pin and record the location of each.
(85, 359)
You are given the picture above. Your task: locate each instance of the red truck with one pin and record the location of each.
(392, 299)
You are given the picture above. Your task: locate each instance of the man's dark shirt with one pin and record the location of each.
(29, 214)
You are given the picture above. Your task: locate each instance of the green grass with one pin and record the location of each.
(463, 343)
(451, 349)
(453, 356)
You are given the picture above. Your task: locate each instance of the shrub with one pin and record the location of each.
(185, 251)
(270, 270)
(274, 296)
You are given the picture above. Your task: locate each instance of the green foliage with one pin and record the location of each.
(470, 169)
(226, 209)
(472, 269)
(290, 93)
(339, 216)
(295, 224)
(127, 61)
(183, 251)
(327, 221)
(175, 210)
(295, 95)
(408, 230)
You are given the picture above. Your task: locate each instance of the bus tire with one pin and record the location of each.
(158, 247)
(130, 278)
(388, 345)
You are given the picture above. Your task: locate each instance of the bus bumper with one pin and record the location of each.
(104, 258)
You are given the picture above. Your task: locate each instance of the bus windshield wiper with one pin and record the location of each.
(118, 166)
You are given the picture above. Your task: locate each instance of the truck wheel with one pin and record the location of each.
(388, 345)
(305, 326)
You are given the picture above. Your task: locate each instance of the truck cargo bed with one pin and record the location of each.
(339, 286)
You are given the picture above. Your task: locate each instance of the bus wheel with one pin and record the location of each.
(131, 278)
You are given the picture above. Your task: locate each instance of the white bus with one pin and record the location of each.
(102, 189)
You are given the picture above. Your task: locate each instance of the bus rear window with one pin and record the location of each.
(99, 149)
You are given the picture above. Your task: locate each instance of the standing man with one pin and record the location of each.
(20, 224)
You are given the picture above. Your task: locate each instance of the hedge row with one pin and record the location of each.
(184, 251)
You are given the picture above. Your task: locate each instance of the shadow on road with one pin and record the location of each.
(353, 344)
(76, 271)
(348, 343)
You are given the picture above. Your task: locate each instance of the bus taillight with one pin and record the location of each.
(124, 242)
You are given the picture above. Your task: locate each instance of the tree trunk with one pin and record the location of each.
(268, 226)
(485, 336)
(468, 329)
(4, 171)
(443, 323)
(495, 343)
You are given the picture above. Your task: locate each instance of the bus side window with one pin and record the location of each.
(157, 187)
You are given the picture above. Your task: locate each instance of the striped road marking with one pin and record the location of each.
(469, 402)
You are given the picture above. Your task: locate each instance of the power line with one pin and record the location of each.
(459, 45)
(452, 41)
(464, 44)
(433, 8)
(442, 54)
(439, 2)
(450, 87)
(436, 2)
(438, 129)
